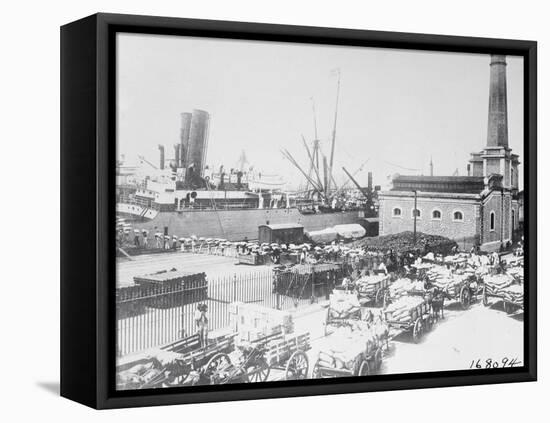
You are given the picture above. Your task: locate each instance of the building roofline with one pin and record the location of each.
(424, 194)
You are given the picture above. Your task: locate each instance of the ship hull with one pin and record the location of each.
(238, 225)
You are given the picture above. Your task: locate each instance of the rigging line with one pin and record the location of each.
(401, 167)
(213, 202)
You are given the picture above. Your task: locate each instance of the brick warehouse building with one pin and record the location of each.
(481, 208)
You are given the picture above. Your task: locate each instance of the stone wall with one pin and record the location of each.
(501, 206)
(466, 229)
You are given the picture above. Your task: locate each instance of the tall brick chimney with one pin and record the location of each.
(497, 129)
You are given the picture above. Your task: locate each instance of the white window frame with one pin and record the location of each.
(397, 216)
(440, 214)
(417, 217)
(457, 220)
(494, 221)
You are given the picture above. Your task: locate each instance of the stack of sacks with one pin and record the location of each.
(145, 367)
(482, 270)
(401, 310)
(514, 261)
(516, 273)
(425, 265)
(401, 286)
(513, 294)
(469, 269)
(450, 284)
(438, 272)
(429, 257)
(494, 284)
(456, 259)
(368, 285)
(347, 346)
(343, 305)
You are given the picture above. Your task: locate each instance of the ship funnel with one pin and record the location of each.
(198, 142)
(184, 137)
(177, 157)
(161, 149)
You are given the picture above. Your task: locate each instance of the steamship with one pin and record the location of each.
(184, 197)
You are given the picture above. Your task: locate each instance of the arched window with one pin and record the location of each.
(396, 212)
(436, 214)
(417, 213)
(492, 221)
(458, 216)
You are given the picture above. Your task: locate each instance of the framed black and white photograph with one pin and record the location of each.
(273, 210)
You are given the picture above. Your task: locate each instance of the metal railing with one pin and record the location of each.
(155, 316)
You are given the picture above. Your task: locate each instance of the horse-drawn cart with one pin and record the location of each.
(256, 359)
(356, 352)
(505, 288)
(410, 314)
(462, 288)
(344, 305)
(373, 289)
(181, 363)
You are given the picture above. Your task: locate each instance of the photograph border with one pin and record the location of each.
(88, 154)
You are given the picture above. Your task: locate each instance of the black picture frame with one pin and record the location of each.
(88, 208)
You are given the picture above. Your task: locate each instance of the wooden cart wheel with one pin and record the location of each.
(364, 369)
(217, 363)
(258, 373)
(465, 297)
(418, 329)
(485, 299)
(297, 366)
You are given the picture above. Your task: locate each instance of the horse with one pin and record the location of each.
(381, 330)
(437, 302)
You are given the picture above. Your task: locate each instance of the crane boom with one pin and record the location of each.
(148, 162)
(363, 190)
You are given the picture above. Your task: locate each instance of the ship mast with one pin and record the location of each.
(331, 163)
(314, 155)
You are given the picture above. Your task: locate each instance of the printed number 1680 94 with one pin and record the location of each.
(490, 363)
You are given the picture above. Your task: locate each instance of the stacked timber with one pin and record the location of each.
(402, 310)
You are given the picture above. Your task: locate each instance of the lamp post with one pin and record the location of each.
(414, 216)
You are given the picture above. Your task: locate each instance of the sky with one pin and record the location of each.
(397, 108)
